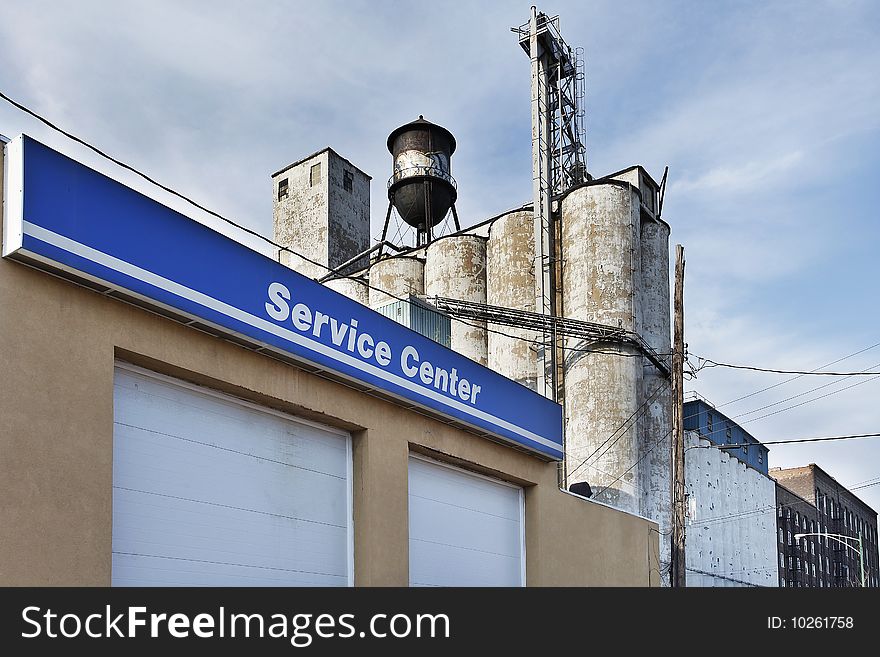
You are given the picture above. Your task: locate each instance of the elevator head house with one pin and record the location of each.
(180, 409)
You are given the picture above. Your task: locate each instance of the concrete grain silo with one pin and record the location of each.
(399, 276)
(455, 267)
(601, 279)
(353, 289)
(510, 283)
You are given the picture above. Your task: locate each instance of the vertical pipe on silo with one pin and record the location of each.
(455, 267)
(601, 279)
(510, 283)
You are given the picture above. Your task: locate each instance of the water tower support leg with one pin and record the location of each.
(385, 229)
(455, 218)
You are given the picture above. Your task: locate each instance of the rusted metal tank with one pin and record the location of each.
(422, 188)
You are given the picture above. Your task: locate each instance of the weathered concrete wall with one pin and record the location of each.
(301, 220)
(456, 268)
(730, 537)
(655, 444)
(600, 283)
(510, 283)
(398, 277)
(324, 222)
(353, 289)
(349, 215)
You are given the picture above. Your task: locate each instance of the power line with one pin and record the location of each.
(782, 383)
(801, 394)
(708, 362)
(833, 392)
(639, 460)
(788, 408)
(641, 410)
(790, 441)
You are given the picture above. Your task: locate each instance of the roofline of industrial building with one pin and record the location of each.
(813, 466)
(706, 402)
(316, 154)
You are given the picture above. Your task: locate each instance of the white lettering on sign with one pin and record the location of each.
(367, 347)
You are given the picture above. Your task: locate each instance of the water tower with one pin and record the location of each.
(422, 188)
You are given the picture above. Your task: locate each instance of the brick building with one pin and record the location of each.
(809, 500)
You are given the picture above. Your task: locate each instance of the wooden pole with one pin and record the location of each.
(678, 569)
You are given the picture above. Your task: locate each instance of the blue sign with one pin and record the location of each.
(64, 215)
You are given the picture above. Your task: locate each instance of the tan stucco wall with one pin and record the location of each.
(58, 344)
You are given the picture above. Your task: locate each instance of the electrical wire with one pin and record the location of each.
(834, 392)
(641, 410)
(782, 383)
(639, 460)
(806, 392)
(708, 362)
(791, 398)
(790, 441)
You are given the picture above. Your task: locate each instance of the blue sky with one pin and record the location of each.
(767, 113)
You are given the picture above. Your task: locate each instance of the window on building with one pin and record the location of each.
(797, 519)
(282, 189)
(315, 174)
(781, 560)
(761, 457)
(709, 423)
(347, 180)
(781, 538)
(782, 582)
(779, 508)
(728, 432)
(788, 513)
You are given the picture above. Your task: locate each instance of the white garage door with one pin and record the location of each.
(464, 529)
(210, 490)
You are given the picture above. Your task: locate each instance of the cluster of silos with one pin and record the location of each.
(614, 271)
(453, 267)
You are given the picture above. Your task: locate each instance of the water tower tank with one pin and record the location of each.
(422, 188)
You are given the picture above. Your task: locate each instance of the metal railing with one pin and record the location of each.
(421, 171)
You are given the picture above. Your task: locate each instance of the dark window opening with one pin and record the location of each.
(282, 189)
(347, 180)
(315, 174)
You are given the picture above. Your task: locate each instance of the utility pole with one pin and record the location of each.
(678, 568)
